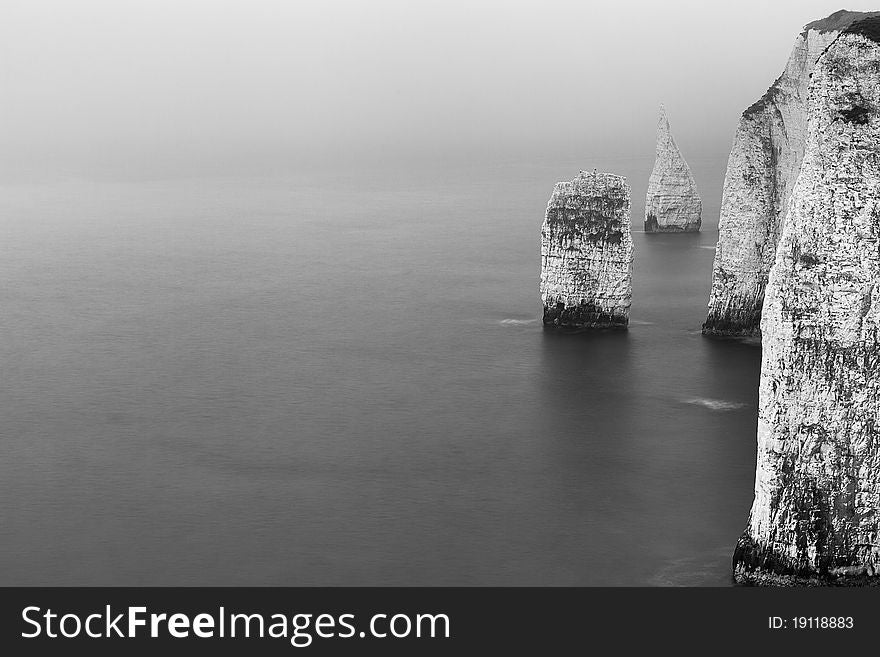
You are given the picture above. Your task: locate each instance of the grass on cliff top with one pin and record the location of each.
(839, 20)
(869, 27)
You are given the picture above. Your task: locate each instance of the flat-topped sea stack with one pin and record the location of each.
(816, 514)
(763, 165)
(587, 253)
(673, 204)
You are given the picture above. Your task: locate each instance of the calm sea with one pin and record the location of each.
(343, 379)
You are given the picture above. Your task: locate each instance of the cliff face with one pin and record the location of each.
(587, 253)
(763, 165)
(672, 204)
(816, 512)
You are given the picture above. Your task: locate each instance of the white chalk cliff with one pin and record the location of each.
(587, 253)
(673, 204)
(764, 163)
(816, 512)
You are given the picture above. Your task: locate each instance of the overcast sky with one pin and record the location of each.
(99, 79)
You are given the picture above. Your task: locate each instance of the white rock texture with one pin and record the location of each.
(673, 204)
(816, 512)
(763, 165)
(587, 253)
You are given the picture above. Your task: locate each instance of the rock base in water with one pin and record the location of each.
(741, 321)
(754, 567)
(581, 317)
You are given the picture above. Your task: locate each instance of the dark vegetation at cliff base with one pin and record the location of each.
(734, 324)
(583, 316)
(652, 226)
(756, 566)
(739, 317)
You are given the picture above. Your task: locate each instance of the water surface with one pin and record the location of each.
(342, 379)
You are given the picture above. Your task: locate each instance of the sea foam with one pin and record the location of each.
(715, 404)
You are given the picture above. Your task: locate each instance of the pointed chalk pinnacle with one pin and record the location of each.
(673, 204)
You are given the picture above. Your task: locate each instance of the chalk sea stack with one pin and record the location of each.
(673, 204)
(763, 165)
(816, 514)
(587, 253)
